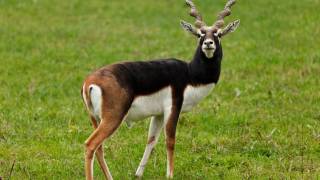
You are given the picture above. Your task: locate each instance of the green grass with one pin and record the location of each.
(270, 131)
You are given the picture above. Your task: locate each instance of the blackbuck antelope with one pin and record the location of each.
(160, 89)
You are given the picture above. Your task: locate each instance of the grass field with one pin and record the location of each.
(261, 122)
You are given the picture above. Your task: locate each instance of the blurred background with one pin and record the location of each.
(261, 121)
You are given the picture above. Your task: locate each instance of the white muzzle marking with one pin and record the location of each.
(208, 47)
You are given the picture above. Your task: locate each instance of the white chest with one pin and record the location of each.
(161, 101)
(193, 95)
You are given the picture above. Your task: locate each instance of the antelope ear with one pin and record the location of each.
(230, 28)
(188, 27)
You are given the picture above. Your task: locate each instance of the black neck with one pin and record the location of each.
(203, 70)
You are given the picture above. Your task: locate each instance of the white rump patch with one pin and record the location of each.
(96, 99)
(84, 97)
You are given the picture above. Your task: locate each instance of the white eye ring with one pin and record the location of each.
(201, 35)
(218, 32)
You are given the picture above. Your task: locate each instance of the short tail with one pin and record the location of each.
(92, 97)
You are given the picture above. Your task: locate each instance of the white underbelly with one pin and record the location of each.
(151, 105)
(156, 103)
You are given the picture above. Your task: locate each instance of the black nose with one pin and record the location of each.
(208, 43)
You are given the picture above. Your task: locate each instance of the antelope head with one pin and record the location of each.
(209, 36)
